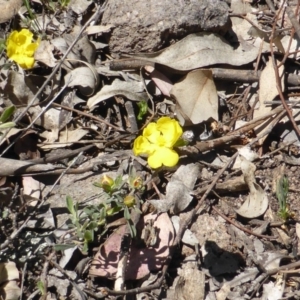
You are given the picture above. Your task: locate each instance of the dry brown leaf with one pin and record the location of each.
(257, 201)
(11, 167)
(178, 190)
(19, 88)
(9, 276)
(98, 29)
(267, 92)
(66, 138)
(200, 50)
(132, 90)
(86, 78)
(32, 190)
(196, 96)
(44, 54)
(267, 87)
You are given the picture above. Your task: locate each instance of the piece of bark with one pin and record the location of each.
(149, 25)
(11, 167)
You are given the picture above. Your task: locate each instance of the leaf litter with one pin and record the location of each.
(82, 217)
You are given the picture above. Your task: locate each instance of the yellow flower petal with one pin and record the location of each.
(151, 133)
(163, 156)
(24, 61)
(30, 49)
(142, 146)
(170, 129)
(25, 36)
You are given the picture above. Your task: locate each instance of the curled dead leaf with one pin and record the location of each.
(257, 202)
(86, 78)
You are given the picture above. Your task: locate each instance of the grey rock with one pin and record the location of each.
(149, 25)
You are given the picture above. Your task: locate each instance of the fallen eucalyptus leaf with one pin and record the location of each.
(189, 237)
(44, 54)
(9, 278)
(200, 50)
(178, 190)
(196, 93)
(268, 88)
(86, 78)
(98, 29)
(11, 167)
(65, 139)
(265, 36)
(20, 89)
(132, 90)
(257, 202)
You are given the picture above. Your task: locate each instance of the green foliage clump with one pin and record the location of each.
(119, 198)
(282, 190)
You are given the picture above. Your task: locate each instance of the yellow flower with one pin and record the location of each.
(157, 142)
(21, 49)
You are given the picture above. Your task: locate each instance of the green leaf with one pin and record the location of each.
(85, 248)
(138, 210)
(92, 225)
(2, 44)
(118, 182)
(62, 247)
(282, 191)
(70, 205)
(7, 113)
(89, 235)
(132, 229)
(7, 125)
(143, 107)
(126, 213)
(102, 213)
(89, 210)
(97, 184)
(41, 287)
(113, 210)
(5, 213)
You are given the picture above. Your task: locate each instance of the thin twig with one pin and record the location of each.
(242, 227)
(293, 19)
(278, 81)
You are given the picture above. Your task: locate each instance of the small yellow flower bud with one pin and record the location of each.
(107, 183)
(129, 201)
